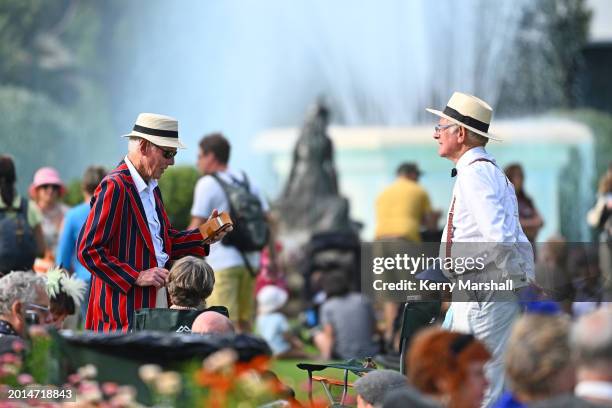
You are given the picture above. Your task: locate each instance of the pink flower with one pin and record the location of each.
(18, 346)
(9, 358)
(89, 391)
(74, 378)
(110, 388)
(25, 379)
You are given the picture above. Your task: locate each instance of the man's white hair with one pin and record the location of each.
(134, 144)
(19, 286)
(591, 338)
(475, 138)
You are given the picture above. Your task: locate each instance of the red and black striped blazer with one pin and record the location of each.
(115, 245)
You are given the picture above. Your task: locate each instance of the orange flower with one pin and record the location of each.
(214, 381)
(258, 363)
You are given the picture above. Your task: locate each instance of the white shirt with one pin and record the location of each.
(145, 191)
(207, 196)
(486, 212)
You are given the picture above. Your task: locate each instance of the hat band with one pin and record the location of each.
(156, 132)
(467, 120)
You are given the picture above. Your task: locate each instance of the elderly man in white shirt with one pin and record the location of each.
(484, 213)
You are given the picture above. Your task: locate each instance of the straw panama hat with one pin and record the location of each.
(468, 111)
(271, 298)
(160, 130)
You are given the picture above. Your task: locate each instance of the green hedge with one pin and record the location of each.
(177, 185)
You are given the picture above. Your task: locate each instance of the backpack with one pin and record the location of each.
(251, 229)
(17, 242)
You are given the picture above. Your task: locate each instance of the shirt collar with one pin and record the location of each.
(141, 185)
(471, 155)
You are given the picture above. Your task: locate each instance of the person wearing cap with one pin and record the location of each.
(372, 388)
(402, 209)
(272, 325)
(46, 190)
(483, 213)
(127, 241)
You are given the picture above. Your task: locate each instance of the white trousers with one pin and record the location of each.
(491, 323)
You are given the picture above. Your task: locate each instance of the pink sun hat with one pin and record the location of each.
(46, 175)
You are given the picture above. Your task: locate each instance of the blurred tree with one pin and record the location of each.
(177, 185)
(31, 53)
(74, 195)
(54, 109)
(547, 57)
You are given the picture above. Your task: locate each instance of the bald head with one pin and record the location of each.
(212, 323)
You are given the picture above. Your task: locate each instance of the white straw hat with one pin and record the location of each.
(468, 111)
(160, 130)
(271, 298)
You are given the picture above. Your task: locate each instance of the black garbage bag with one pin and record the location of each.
(163, 348)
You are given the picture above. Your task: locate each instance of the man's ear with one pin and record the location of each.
(144, 145)
(17, 308)
(461, 138)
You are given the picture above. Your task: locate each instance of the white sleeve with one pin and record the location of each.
(205, 197)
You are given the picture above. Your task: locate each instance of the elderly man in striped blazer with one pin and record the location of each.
(127, 240)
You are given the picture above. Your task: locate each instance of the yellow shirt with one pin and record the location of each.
(400, 209)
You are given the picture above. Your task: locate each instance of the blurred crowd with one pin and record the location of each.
(559, 353)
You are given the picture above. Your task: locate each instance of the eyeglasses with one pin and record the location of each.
(34, 313)
(439, 128)
(168, 154)
(38, 307)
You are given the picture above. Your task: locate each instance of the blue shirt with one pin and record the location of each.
(272, 327)
(66, 248)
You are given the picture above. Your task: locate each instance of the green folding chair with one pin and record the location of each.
(354, 366)
(415, 316)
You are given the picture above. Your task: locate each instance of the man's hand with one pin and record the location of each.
(219, 236)
(153, 277)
